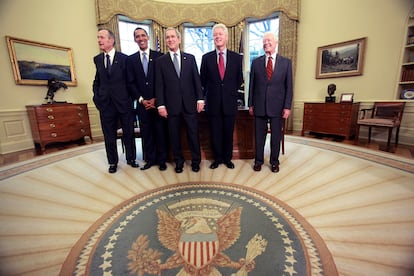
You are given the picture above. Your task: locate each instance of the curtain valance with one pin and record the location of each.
(229, 12)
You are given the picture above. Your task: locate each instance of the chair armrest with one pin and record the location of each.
(364, 112)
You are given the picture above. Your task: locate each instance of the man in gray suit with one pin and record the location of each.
(270, 99)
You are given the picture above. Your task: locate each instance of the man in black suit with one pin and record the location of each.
(141, 80)
(179, 97)
(113, 99)
(221, 77)
(270, 99)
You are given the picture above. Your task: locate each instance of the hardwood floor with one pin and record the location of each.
(10, 158)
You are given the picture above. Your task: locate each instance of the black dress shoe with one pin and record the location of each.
(257, 167)
(133, 164)
(112, 168)
(195, 167)
(163, 167)
(147, 166)
(229, 165)
(214, 165)
(178, 168)
(274, 168)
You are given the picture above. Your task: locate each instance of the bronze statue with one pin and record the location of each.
(53, 86)
(331, 91)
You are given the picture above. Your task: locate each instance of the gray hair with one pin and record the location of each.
(271, 34)
(221, 26)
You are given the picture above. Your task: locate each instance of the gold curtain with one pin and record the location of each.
(229, 12)
(235, 42)
(288, 32)
(112, 25)
(158, 37)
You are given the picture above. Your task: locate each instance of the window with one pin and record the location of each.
(198, 41)
(126, 34)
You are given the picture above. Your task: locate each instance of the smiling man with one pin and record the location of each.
(179, 97)
(221, 78)
(141, 81)
(270, 99)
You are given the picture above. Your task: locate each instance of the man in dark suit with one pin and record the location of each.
(179, 97)
(221, 77)
(270, 99)
(113, 99)
(141, 81)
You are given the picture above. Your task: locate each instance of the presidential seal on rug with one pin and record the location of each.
(201, 229)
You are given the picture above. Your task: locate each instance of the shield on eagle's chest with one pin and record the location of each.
(198, 250)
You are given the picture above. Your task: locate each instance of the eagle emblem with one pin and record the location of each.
(197, 231)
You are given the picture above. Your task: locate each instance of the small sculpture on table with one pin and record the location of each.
(331, 91)
(53, 86)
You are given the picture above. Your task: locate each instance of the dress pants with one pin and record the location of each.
(260, 125)
(174, 127)
(110, 119)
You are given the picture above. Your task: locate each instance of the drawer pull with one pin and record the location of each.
(51, 117)
(80, 114)
(82, 130)
(79, 107)
(53, 134)
(49, 109)
(52, 125)
(81, 122)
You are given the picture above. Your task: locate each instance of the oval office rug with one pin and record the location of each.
(201, 229)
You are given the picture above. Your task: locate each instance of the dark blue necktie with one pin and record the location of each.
(108, 64)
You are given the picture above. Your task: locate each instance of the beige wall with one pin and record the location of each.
(323, 22)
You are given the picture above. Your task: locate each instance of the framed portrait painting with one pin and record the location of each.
(341, 59)
(34, 63)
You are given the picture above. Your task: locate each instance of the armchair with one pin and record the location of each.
(382, 115)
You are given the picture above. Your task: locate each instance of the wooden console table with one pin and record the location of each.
(331, 118)
(243, 137)
(60, 122)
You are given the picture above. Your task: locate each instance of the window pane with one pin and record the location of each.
(198, 41)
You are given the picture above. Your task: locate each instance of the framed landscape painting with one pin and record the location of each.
(341, 59)
(34, 63)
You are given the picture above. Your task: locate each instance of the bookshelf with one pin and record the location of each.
(406, 80)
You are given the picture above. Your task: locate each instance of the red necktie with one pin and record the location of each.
(269, 68)
(221, 65)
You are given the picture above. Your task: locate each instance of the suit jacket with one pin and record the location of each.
(270, 97)
(177, 93)
(221, 95)
(111, 89)
(139, 84)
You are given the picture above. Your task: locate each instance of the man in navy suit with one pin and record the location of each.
(221, 77)
(270, 99)
(113, 99)
(141, 80)
(179, 97)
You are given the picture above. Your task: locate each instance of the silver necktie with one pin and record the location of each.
(176, 65)
(145, 63)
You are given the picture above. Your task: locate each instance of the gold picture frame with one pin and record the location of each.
(34, 63)
(343, 59)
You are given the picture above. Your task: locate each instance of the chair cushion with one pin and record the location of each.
(379, 122)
